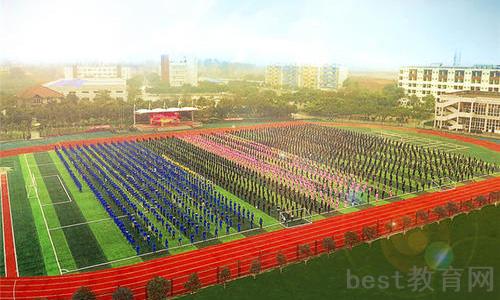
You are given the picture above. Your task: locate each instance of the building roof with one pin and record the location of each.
(78, 83)
(442, 66)
(41, 91)
(161, 110)
(474, 94)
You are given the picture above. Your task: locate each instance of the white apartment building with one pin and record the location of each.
(97, 71)
(183, 72)
(437, 80)
(89, 89)
(471, 111)
(327, 76)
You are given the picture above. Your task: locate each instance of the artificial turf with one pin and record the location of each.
(29, 256)
(47, 216)
(472, 150)
(110, 239)
(464, 242)
(81, 241)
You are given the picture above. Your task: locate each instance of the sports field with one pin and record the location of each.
(91, 207)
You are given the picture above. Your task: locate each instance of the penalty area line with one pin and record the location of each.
(84, 223)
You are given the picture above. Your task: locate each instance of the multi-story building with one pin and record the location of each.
(274, 75)
(309, 77)
(180, 72)
(90, 89)
(290, 76)
(472, 111)
(96, 71)
(331, 76)
(328, 76)
(165, 68)
(437, 80)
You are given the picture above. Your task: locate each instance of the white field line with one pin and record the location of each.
(45, 164)
(172, 248)
(65, 190)
(33, 181)
(425, 142)
(84, 223)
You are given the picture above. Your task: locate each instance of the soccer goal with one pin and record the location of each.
(295, 217)
(31, 188)
(444, 184)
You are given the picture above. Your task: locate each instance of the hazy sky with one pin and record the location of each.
(373, 34)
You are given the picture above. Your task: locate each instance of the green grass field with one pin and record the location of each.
(59, 229)
(467, 241)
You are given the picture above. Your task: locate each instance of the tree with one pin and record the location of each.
(84, 293)
(481, 200)
(468, 205)
(495, 196)
(389, 226)
(158, 288)
(123, 293)
(305, 251)
(255, 267)
(329, 245)
(281, 259)
(405, 221)
(369, 233)
(440, 211)
(193, 283)
(351, 238)
(452, 208)
(224, 275)
(422, 215)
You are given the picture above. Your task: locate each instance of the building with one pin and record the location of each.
(39, 95)
(274, 76)
(308, 77)
(290, 76)
(470, 111)
(437, 80)
(331, 76)
(183, 72)
(328, 76)
(90, 89)
(96, 71)
(165, 68)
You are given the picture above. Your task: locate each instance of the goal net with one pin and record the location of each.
(31, 189)
(444, 184)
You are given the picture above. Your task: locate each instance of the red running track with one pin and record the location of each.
(237, 255)
(9, 247)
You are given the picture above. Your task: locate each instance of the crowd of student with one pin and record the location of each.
(160, 200)
(164, 191)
